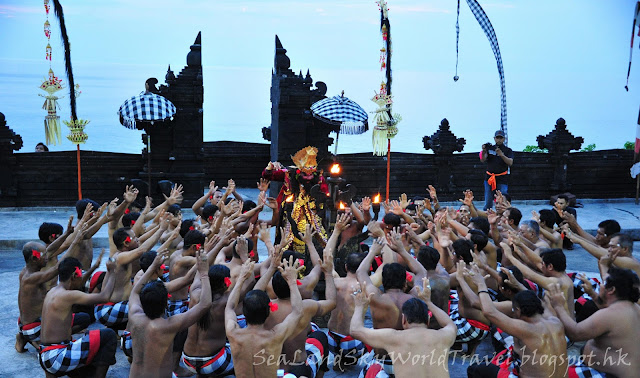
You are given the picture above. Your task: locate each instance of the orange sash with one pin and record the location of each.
(492, 179)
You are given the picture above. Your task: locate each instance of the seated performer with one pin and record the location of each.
(95, 351)
(256, 349)
(415, 338)
(152, 334)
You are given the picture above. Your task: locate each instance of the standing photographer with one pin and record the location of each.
(498, 158)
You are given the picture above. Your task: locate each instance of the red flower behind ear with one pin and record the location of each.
(198, 247)
(409, 277)
(297, 171)
(191, 228)
(127, 211)
(211, 197)
(227, 281)
(298, 282)
(273, 306)
(210, 217)
(133, 222)
(128, 239)
(54, 235)
(252, 254)
(163, 267)
(301, 262)
(78, 272)
(562, 235)
(35, 253)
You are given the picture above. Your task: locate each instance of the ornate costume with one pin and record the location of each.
(298, 182)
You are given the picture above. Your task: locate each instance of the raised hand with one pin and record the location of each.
(290, 269)
(361, 299)
(307, 235)
(374, 229)
(476, 276)
(396, 208)
(263, 232)
(395, 240)
(556, 295)
(343, 221)
(366, 204)
(327, 261)
(444, 237)
(424, 292)
(263, 185)
(212, 187)
(271, 203)
(231, 186)
(242, 247)
(130, 194)
(386, 207)
(468, 198)
(535, 216)
(432, 193)
(492, 217)
(377, 245)
(404, 202)
(175, 196)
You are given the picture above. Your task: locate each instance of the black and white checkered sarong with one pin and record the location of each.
(112, 314)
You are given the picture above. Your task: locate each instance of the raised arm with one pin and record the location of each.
(448, 326)
(363, 270)
(536, 277)
(595, 325)
(129, 196)
(54, 248)
(230, 320)
(175, 197)
(413, 264)
(184, 320)
(289, 270)
(377, 338)
(125, 258)
(199, 204)
(135, 305)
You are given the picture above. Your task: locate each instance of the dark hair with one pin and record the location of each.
(353, 261)
(417, 198)
(44, 146)
(533, 225)
(411, 206)
(185, 227)
(27, 250)
(428, 257)
(288, 253)
(147, 259)
(515, 215)
(548, 217)
(394, 276)
(280, 286)
(120, 235)
(481, 223)
(82, 205)
(516, 273)
(479, 239)
(415, 311)
(564, 197)
(555, 257)
(127, 218)
(47, 229)
(217, 275)
(193, 237)
(174, 209)
(624, 240)
(610, 226)
(235, 243)
(248, 205)
(153, 299)
(208, 210)
(507, 197)
(67, 267)
(256, 307)
(462, 249)
(626, 283)
(391, 219)
(528, 303)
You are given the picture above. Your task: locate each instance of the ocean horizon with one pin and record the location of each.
(237, 105)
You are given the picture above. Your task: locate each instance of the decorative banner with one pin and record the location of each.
(485, 24)
(636, 22)
(384, 120)
(51, 85)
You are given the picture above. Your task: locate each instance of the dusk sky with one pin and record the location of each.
(561, 59)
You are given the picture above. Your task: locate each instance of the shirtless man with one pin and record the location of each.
(539, 338)
(530, 231)
(96, 349)
(114, 313)
(345, 348)
(256, 350)
(438, 280)
(552, 271)
(152, 334)
(415, 338)
(612, 331)
(605, 230)
(303, 339)
(206, 351)
(385, 307)
(546, 220)
(179, 264)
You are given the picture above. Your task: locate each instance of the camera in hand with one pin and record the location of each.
(487, 146)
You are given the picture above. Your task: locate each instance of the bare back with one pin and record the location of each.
(30, 298)
(341, 316)
(56, 316)
(206, 342)
(256, 351)
(544, 351)
(152, 347)
(386, 312)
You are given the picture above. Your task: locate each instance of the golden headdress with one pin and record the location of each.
(305, 159)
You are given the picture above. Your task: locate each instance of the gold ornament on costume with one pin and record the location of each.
(51, 85)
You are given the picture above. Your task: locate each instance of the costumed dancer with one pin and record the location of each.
(298, 181)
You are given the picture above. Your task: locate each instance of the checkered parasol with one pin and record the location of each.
(147, 107)
(339, 110)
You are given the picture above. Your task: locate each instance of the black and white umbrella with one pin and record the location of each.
(339, 110)
(147, 107)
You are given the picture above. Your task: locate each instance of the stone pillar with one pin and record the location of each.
(444, 143)
(9, 142)
(176, 146)
(559, 142)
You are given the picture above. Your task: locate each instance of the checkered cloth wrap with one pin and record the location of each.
(583, 371)
(348, 348)
(509, 363)
(339, 110)
(503, 338)
(31, 331)
(126, 344)
(466, 332)
(145, 107)
(112, 314)
(485, 24)
(378, 369)
(219, 365)
(317, 347)
(179, 306)
(64, 357)
(577, 286)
